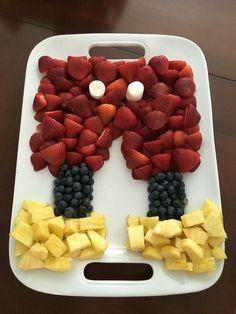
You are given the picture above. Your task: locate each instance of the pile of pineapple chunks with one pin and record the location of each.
(192, 244)
(46, 241)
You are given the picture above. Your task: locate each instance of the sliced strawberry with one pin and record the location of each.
(177, 65)
(73, 158)
(35, 141)
(166, 103)
(132, 140)
(45, 79)
(167, 140)
(73, 117)
(79, 67)
(170, 77)
(55, 154)
(105, 71)
(94, 124)
(153, 147)
(94, 60)
(46, 144)
(94, 103)
(155, 119)
(119, 62)
(44, 63)
(188, 101)
(62, 84)
(106, 112)
(195, 141)
(70, 143)
(180, 138)
(75, 91)
(180, 112)
(55, 72)
(142, 173)
(141, 61)
(143, 111)
(192, 117)
(146, 133)
(185, 159)
(186, 72)
(59, 63)
(39, 102)
(72, 128)
(185, 87)
(105, 139)
(147, 76)
(80, 106)
(39, 128)
(39, 115)
(116, 132)
(111, 97)
(87, 137)
(47, 88)
(161, 161)
(129, 71)
(125, 119)
(37, 161)
(123, 150)
(86, 150)
(104, 152)
(56, 115)
(53, 102)
(195, 167)
(135, 159)
(94, 162)
(176, 122)
(157, 90)
(160, 64)
(52, 129)
(53, 169)
(65, 98)
(133, 106)
(192, 130)
(120, 85)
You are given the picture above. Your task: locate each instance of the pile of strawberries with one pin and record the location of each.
(160, 132)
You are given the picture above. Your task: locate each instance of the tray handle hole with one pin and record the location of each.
(118, 52)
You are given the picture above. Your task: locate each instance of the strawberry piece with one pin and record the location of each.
(180, 138)
(147, 76)
(146, 133)
(135, 159)
(155, 120)
(59, 63)
(123, 150)
(79, 67)
(195, 141)
(143, 111)
(106, 112)
(176, 122)
(105, 71)
(119, 62)
(105, 139)
(87, 137)
(94, 103)
(170, 77)
(185, 159)
(80, 106)
(180, 112)
(116, 132)
(37, 161)
(161, 161)
(44, 63)
(166, 103)
(65, 98)
(86, 81)
(120, 85)
(70, 143)
(46, 144)
(192, 130)
(132, 140)
(188, 101)
(133, 106)
(129, 71)
(55, 72)
(112, 97)
(167, 140)
(186, 72)
(35, 141)
(153, 147)
(39, 128)
(86, 150)
(142, 173)
(125, 119)
(47, 88)
(39, 102)
(73, 117)
(94, 124)
(160, 64)
(94, 60)
(94, 162)
(62, 84)
(104, 152)
(157, 90)
(55, 154)
(75, 91)
(141, 61)
(53, 169)
(56, 115)
(177, 65)
(185, 87)
(196, 166)
(52, 129)
(53, 102)
(73, 158)
(192, 117)
(72, 128)
(45, 79)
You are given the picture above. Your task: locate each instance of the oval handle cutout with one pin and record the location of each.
(118, 271)
(118, 52)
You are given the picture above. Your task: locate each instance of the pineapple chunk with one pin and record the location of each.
(208, 207)
(214, 226)
(152, 253)
(71, 226)
(55, 246)
(91, 223)
(132, 220)
(193, 250)
(168, 228)
(76, 242)
(193, 219)
(178, 265)
(215, 241)
(102, 232)
(22, 216)
(23, 233)
(27, 262)
(177, 243)
(98, 243)
(41, 231)
(206, 264)
(40, 213)
(196, 234)
(62, 263)
(136, 238)
(218, 253)
(57, 225)
(155, 239)
(170, 252)
(20, 248)
(149, 222)
(89, 253)
(207, 250)
(38, 250)
(29, 205)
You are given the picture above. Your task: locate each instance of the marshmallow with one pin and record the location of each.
(97, 89)
(135, 91)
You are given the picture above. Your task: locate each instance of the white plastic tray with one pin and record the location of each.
(116, 194)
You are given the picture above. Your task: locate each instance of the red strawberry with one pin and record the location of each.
(75, 91)
(185, 159)
(45, 79)
(39, 128)
(52, 129)
(177, 64)
(161, 161)
(59, 63)
(116, 132)
(160, 64)
(104, 152)
(55, 154)
(47, 88)
(80, 106)
(135, 159)
(53, 102)
(166, 103)
(46, 144)
(106, 112)
(132, 140)
(94, 104)
(35, 141)
(180, 112)
(195, 167)
(186, 72)
(56, 115)
(105, 139)
(111, 97)
(94, 124)
(153, 147)
(125, 119)
(120, 85)
(143, 111)
(86, 81)
(94, 162)
(147, 76)
(94, 60)
(37, 161)
(118, 63)
(55, 72)
(39, 102)
(192, 130)
(180, 138)
(129, 71)
(185, 87)
(73, 117)
(72, 128)
(157, 90)
(167, 140)
(170, 77)
(195, 141)
(133, 106)
(175, 122)
(44, 63)
(146, 133)
(105, 71)
(87, 137)
(192, 117)
(70, 143)
(123, 150)
(54, 169)
(155, 120)
(141, 61)
(73, 158)
(65, 98)
(86, 150)
(79, 67)
(188, 101)
(142, 173)
(62, 84)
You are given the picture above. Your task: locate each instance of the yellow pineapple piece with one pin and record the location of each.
(132, 220)
(136, 238)
(197, 234)
(178, 265)
(193, 250)
(102, 232)
(55, 245)
(30, 205)
(23, 233)
(41, 231)
(207, 250)
(27, 262)
(56, 225)
(90, 253)
(170, 252)
(210, 206)
(194, 218)
(218, 253)
(215, 241)
(206, 264)
(177, 243)
(98, 243)
(214, 226)
(62, 263)
(168, 228)
(38, 250)
(149, 222)
(91, 223)
(154, 239)
(71, 226)
(151, 252)
(20, 248)
(22, 216)
(40, 213)
(76, 242)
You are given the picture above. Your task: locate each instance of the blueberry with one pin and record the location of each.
(178, 176)
(74, 203)
(82, 164)
(182, 196)
(62, 204)
(61, 188)
(58, 211)
(84, 170)
(77, 178)
(179, 212)
(152, 187)
(61, 174)
(69, 212)
(82, 209)
(176, 203)
(169, 176)
(161, 211)
(154, 211)
(90, 197)
(77, 186)
(155, 195)
(150, 214)
(86, 202)
(175, 183)
(81, 214)
(75, 170)
(63, 181)
(58, 196)
(163, 195)
(166, 202)
(156, 203)
(171, 189)
(64, 167)
(87, 189)
(91, 181)
(91, 174)
(151, 198)
(67, 197)
(160, 177)
(68, 189)
(151, 180)
(75, 214)
(57, 181)
(160, 188)
(165, 183)
(85, 179)
(78, 195)
(170, 211)
(69, 181)
(68, 173)
(89, 208)
(181, 184)
(181, 189)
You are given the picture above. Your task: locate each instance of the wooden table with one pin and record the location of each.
(211, 24)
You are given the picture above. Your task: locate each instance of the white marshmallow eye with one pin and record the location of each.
(97, 89)
(135, 91)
